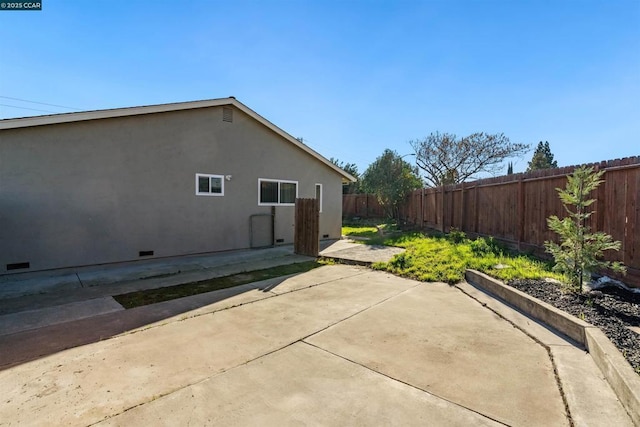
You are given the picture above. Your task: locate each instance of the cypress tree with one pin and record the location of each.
(542, 158)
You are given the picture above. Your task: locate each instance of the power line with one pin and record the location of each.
(36, 102)
(25, 108)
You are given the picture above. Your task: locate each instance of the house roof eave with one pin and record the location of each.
(24, 122)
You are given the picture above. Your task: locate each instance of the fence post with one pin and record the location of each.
(367, 204)
(601, 194)
(476, 209)
(422, 210)
(521, 211)
(442, 210)
(462, 207)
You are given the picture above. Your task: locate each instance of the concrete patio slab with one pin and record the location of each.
(590, 398)
(540, 331)
(34, 319)
(338, 345)
(618, 373)
(30, 345)
(348, 273)
(86, 384)
(300, 385)
(361, 254)
(420, 337)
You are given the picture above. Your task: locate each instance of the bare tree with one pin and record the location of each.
(445, 159)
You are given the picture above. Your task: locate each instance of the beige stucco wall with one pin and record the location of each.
(100, 191)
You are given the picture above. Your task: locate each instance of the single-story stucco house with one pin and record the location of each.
(154, 181)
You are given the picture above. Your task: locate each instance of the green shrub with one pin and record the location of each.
(456, 236)
(480, 247)
(485, 246)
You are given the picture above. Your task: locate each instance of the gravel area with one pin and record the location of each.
(612, 309)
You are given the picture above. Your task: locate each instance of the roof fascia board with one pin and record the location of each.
(106, 114)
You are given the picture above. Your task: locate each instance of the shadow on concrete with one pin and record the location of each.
(26, 346)
(47, 338)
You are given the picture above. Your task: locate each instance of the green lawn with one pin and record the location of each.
(445, 258)
(368, 229)
(359, 231)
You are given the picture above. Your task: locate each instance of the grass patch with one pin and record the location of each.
(359, 231)
(152, 296)
(445, 259)
(369, 230)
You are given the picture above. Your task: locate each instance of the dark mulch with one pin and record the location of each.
(612, 309)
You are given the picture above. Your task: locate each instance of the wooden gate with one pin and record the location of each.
(307, 227)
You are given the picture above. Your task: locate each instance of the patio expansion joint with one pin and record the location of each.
(80, 280)
(404, 383)
(547, 348)
(154, 398)
(276, 350)
(266, 290)
(270, 288)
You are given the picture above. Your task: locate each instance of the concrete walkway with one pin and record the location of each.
(77, 306)
(360, 254)
(82, 283)
(99, 278)
(336, 345)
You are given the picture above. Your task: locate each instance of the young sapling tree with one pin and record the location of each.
(580, 251)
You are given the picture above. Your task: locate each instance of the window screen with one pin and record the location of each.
(269, 192)
(277, 192)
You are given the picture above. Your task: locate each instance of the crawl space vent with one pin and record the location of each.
(18, 266)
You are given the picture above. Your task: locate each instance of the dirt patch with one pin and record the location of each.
(152, 296)
(614, 310)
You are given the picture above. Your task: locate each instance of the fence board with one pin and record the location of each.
(615, 206)
(361, 206)
(632, 246)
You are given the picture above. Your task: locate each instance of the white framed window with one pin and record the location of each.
(319, 195)
(209, 185)
(277, 192)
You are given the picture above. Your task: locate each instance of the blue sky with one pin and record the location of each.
(350, 77)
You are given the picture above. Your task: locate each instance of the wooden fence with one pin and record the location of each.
(307, 227)
(361, 206)
(515, 208)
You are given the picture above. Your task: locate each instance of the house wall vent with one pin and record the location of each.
(18, 266)
(227, 114)
(145, 253)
